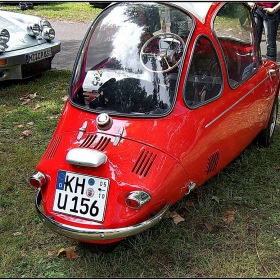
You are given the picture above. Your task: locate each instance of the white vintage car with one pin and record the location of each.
(27, 45)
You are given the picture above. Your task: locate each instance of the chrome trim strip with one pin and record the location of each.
(237, 102)
(96, 234)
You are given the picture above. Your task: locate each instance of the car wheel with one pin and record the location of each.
(266, 135)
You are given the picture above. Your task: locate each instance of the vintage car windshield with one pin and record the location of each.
(131, 59)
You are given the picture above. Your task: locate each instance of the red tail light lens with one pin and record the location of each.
(132, 203)
(37, 180)
(137, 199)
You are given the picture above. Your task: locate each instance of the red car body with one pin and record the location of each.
(163, 96)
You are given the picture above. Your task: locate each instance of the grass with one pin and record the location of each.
(204, 245)
(77, 11)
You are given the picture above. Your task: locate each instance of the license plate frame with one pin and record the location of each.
(80, 195)
(38, 55)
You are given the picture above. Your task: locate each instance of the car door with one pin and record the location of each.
(226, 94)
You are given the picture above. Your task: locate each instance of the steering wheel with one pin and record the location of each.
(165, 55)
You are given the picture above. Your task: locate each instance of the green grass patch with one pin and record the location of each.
(77, 11)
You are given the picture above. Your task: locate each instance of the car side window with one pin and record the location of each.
(234, 29)
(204, 78)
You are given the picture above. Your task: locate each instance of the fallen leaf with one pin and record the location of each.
(276, 167)
(229, 212)
(30, 123)
(216, 199)
(228, 219)
(229, 216)
(20, 126)
(53, 117)
(190, 203)
(208, 226)
(25, 102)
(59, 251)
(17, 233)
(36, 107)
(32, 96)
(27, 133)
(69, 252)
(25, 96)
(176, 217)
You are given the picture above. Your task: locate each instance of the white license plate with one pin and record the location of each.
(81, 195)
(39, 55)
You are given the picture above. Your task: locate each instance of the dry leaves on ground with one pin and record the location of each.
(228, 216)
(176, 217)
(190, 203)
(69, 252)
(208, 226)
(27, 98)
(27, 132)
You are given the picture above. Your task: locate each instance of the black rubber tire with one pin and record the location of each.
(265, 138)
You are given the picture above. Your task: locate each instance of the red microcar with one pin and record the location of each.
(162, 97)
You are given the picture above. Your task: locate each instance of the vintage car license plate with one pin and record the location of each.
(39, 55)
(81, 195)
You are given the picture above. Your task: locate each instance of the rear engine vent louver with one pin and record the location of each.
(213, 162)
(53, 148)
(88, 141)
(100, 145)
(144, 163)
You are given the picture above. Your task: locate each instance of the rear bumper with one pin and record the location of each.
(86, 234)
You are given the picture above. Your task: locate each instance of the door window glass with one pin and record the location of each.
(204, 79)
(234, 29)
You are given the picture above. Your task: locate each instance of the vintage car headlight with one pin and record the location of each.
(44, 23)
(48, 33)
(4, 36)
(33, 29)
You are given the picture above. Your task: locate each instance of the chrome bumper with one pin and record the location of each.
(96, 234)
(16, 60)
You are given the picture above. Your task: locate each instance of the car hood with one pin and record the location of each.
(17, 24)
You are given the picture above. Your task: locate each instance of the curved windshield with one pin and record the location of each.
(130, 60)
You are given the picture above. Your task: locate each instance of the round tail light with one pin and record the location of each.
(136, 199)
(37, 180)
